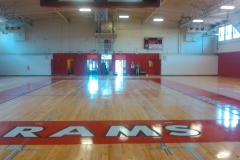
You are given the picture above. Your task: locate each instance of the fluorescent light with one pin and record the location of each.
(123, 16)
(85, 9)
(227, 7)
(198, 20)
(157, 19)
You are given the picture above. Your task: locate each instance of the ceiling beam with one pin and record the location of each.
(13, 17)
(162, 3)
(206, 12)
(69, 10)
(46, 11)
(153, 12)
(167, 12)
(149, 16)
(115, 14)
(61, 15)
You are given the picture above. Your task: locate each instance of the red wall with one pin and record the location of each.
(229, 64)
(79, 63)
(59, 63)
(142, 59)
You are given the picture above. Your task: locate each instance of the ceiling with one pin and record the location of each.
(180, 12)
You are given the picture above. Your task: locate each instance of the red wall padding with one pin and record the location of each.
(60, 63)
(79, 63)
(229, 64)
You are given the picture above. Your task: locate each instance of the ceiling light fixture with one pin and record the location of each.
(227, 7)
(85, 9)
(197, 20)
(123, 16)
(157, 19)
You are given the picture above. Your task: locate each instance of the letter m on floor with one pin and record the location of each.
(134, 131)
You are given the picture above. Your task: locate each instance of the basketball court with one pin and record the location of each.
(91, 106)
(119, 118)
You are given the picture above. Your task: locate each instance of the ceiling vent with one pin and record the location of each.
(15, 29)
(196, 30)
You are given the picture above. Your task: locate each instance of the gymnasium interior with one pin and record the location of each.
(119, 79)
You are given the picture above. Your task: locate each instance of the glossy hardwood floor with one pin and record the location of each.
(209, 107)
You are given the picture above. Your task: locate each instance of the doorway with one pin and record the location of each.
(92, 66)
(106, 67)
(106, 64)
(70, 67)
(120, 67)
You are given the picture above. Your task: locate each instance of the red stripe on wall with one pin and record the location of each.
(120, 56)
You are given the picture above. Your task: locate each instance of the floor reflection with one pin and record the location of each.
(93, 85)
(119, 83)
(228, 117)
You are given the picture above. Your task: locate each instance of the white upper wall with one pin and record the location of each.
(51, 36)
(201, 44)
(228, 46)
(25, 64)
(189, 65)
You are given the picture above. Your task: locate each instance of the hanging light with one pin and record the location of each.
(198, 20)
(85, 9)
(123, 16)
(158, 19)
(227, 7)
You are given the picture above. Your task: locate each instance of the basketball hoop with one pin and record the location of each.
(101, 14)
(105, 43)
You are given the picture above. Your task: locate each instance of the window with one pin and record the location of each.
(235, 33)
(221, 33)
(228, 32)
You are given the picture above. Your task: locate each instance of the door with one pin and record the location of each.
(151, 67)
(70, 66)
(120, 67)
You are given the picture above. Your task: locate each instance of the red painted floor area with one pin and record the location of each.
(217, 100)
(114, 132)
(19, 91)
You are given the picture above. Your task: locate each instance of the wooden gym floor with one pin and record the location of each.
(119, 118)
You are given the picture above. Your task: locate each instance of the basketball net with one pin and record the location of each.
(101, 14)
